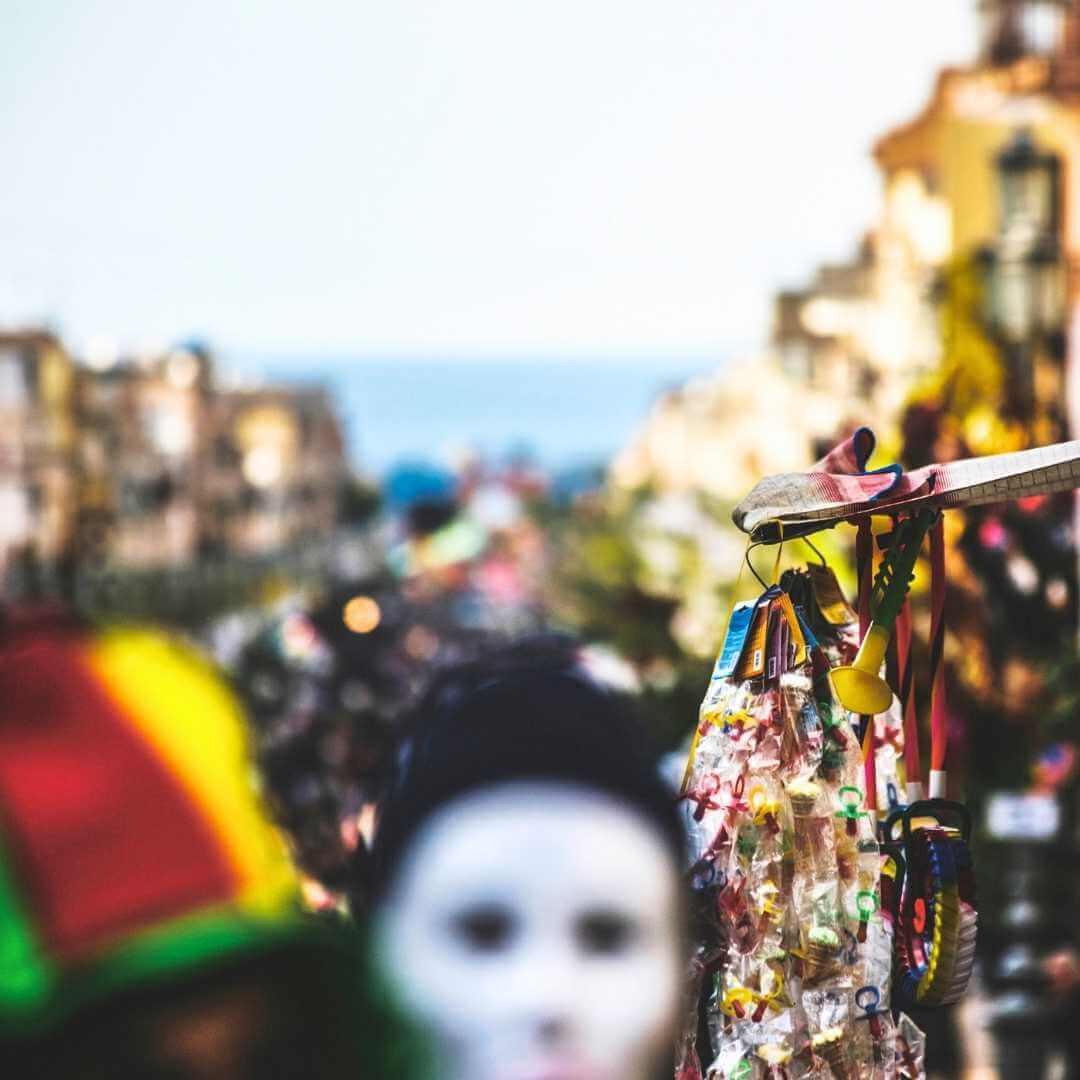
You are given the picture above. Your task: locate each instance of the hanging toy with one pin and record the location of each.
(792, 873)
(858, 685)
(937, 923)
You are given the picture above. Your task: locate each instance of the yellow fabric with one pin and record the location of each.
(190, 717)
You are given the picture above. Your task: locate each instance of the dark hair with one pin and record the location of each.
(529, 713)
(317, 1019)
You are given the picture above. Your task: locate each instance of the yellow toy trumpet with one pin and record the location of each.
(858, 686)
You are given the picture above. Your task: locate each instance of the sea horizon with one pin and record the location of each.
(562, 411)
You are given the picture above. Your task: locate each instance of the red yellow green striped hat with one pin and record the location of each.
(133, 842)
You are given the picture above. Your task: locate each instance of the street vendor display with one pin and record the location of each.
(829, 892)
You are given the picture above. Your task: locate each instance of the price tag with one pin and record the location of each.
(752, 663)
(829, 596)
(738, 628)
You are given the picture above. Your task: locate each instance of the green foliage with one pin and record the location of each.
(1003, 634)
(971, 375)
(604, 588)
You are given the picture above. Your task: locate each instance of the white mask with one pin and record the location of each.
(533, 928)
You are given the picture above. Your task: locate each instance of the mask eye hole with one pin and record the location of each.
(485, 928)
(605, 933)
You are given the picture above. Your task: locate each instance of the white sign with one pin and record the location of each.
(1014, 816)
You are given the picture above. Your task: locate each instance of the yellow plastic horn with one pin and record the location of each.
(858, 685)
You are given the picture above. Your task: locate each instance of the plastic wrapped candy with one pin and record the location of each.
(910, 1050)
(832, 1047)
(821, 949)
(874, 1036)
(735, 1061)
(687, 1062)
(889, 755)
(785, 866)
(776, 1057)
(803, 728)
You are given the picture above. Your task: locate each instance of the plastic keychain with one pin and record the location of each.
(851, 810)
(866, 903)
(868, 998)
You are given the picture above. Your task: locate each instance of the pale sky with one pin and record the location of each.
(475, 176)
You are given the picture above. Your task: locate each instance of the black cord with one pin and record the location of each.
(813, 547)
(749, 548)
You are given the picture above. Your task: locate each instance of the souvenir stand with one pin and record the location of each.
(833, 887)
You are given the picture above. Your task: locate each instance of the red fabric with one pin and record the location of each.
(906, 687)
(939, 707)
(854, 493)
(836, 487)
(850, 456)
(100, 833)
(864, 561)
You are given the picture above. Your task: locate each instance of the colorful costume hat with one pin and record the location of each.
(133, 843)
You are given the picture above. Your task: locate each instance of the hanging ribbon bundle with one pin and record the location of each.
(936, 918)
(905, 691)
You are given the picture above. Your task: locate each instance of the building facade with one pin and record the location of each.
(144, 462)
(37, 437)
(973, 257)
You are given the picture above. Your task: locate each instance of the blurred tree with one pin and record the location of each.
(1012, 601)
(610, 587)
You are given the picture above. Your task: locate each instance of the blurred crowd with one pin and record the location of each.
(167, 910)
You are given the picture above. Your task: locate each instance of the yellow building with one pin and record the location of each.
(274, 469)
(36, 445)
(985, 177)
(984, 181)
(990, 166)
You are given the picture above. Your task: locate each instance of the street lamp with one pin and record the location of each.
(1024, 269)
(1012, 29)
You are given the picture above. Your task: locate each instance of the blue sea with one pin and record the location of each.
(565, 413)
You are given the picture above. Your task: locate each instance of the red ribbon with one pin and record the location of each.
(864, 561)
(906, 692)
(939, 709)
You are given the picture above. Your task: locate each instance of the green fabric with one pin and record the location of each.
(26, 976)
(35, 996)
(35, 999)
(405, 1050)
(187, 945)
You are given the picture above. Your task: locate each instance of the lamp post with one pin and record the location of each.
(1025, 271)
(1026, 302)
(1028, 842)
